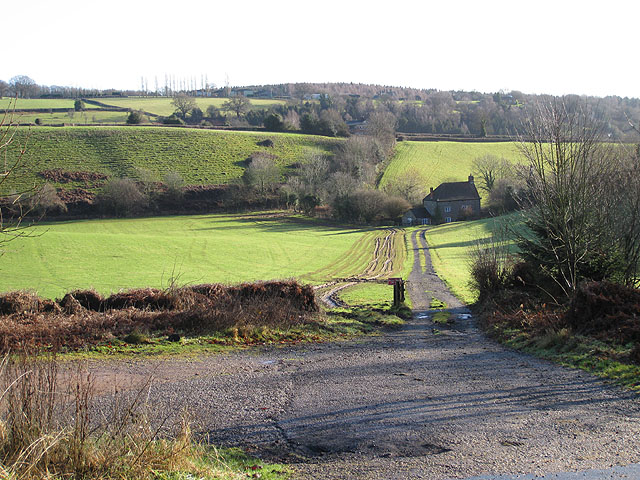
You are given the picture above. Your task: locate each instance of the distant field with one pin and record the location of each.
(112, 254)
(37, 103)
(438, 162)
(154, 105)
(86, 117)
(450, 245)
(200, 156)
(162, 105)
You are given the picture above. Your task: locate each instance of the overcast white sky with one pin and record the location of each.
(541, 46)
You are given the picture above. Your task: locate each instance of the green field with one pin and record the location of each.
(450, 245)
(87, 117)
(109, 255)
(439, 162)
(201, 157)
(38, 103)
(369, 295)
(162, 105)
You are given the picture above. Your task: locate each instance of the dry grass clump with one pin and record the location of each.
(48, 429)
(83, 317)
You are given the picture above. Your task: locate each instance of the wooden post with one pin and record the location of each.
(398, 291)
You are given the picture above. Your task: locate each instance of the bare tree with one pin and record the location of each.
(410, 185)
(23, 86)
(625, 219)
(15, 206)
(314, 173)
(184, 104)
(238, 104)
(341, 184)
(382, 126)
(262, 172)
(123, 197)
(568, 202)
(489, 169)
(292, 120)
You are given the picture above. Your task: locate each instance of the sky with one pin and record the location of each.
(555, 47)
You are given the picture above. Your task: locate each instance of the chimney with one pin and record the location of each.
(470, 178)
(431, 191)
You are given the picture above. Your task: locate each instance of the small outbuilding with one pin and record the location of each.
(416, 216)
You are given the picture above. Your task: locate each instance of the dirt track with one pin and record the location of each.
(381, 265)
(426, 401)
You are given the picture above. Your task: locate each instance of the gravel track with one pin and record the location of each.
(424, 401)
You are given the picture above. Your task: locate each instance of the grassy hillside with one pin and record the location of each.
(113, 254)
(162, 105)
(450, 245)
(438, 162)
(199, 156)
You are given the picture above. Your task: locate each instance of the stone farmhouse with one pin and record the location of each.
(450, 202)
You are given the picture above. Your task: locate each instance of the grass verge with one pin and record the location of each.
(605, 360)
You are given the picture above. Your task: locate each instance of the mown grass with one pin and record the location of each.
(371, 295)
(439, 162)
(201, 157)
(450, 246)
(162, 105)
(109, 255)
(38, 103)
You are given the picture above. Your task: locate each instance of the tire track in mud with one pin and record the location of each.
(381, 264)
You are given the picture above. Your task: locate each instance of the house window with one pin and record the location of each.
(447, 209)
(447, 219)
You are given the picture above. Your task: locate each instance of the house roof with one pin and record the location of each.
(454, 191)
(420, 212)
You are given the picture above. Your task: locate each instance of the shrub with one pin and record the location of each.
(174, 183)
(491, 268)
(122, 197)
(362, 206)
(135, 117)
(196, 116)
(172, 120)
(46, 200)
(83, 318)
(273, 122)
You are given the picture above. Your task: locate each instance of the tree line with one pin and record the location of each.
(326, 108)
